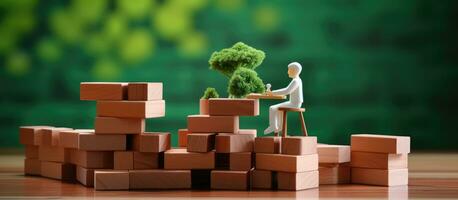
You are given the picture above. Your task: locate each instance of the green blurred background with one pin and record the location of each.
(368, 66)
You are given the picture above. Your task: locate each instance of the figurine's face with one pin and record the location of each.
(292, 72)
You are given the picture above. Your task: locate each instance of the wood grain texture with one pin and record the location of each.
(151, 142)
(103, 91)
(200, 142)
(213, 124)
(334, 173)
(181, 159)
(230, 180)
(233, 107)
(28, 135)
(160, 179)
(299, 145)
(268, 144)
(432, 176)
(328, 153)
(111, 180)
(379, 160)
(231, 143)
(380, 143)
(383, 177)
(131, 109)
(114, 125)
(144, 91)
(286, 163)
(297, 181)
(91, 159)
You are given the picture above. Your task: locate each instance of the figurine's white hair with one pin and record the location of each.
(296, 66)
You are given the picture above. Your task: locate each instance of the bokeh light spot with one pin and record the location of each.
(136, 9)
(193, 44)
(266, 17)
(172, 22)
(18, 64)
(48, 50)
(136, 46)
(106, 70)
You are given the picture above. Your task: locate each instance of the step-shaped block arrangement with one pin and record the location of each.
(379, 159)
(290, 164)
(215, 146)
(119, 141)
(334, 164)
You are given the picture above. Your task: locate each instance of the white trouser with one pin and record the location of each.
(275, 116)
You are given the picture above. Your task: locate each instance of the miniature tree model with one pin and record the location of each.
(238, 64)
(210, 93)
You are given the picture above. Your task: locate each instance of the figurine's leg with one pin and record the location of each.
(279, 116)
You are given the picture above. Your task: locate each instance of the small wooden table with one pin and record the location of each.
(264, 96)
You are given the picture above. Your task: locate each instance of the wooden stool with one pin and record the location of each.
(301, 118)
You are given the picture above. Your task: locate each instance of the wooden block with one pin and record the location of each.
(201, 142)
(56, 170)
(262, 179)
(183, 137)
(147, 160)
(85, 176)
(298, 181)
(379, 160)
(50, 136)
(203, 107)
(32, 166)
(240, 161)
(333, 153)
(93, 142)
(270, 145)
(113, 125)
(233, 107)
(380, 143)
(331, 174)
(69, 139)
(181, 159)
(299, 145)
(383, 177)
(92, 159)
(247, 131)
(151, 142)
(160, 179)
(213, 124)
(200, 179)
(111, 180)
(131, 109)
(28, 135)
(144, 91)
(231, 143)
(31, 151)
(286, 163)
(53, 154)
(103, 91)
(230, 180)
(123, 160)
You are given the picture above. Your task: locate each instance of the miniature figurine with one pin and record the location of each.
(294, 90)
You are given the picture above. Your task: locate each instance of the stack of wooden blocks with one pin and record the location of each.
(214, 152)
(218, 152)
(289, 163)
(334, 164)
(379, 159)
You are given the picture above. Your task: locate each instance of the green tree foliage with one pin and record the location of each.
(243, 82)
(210, 93)
(238, 64)
(228, 60)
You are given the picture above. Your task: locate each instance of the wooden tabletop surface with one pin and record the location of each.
(432, 175)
